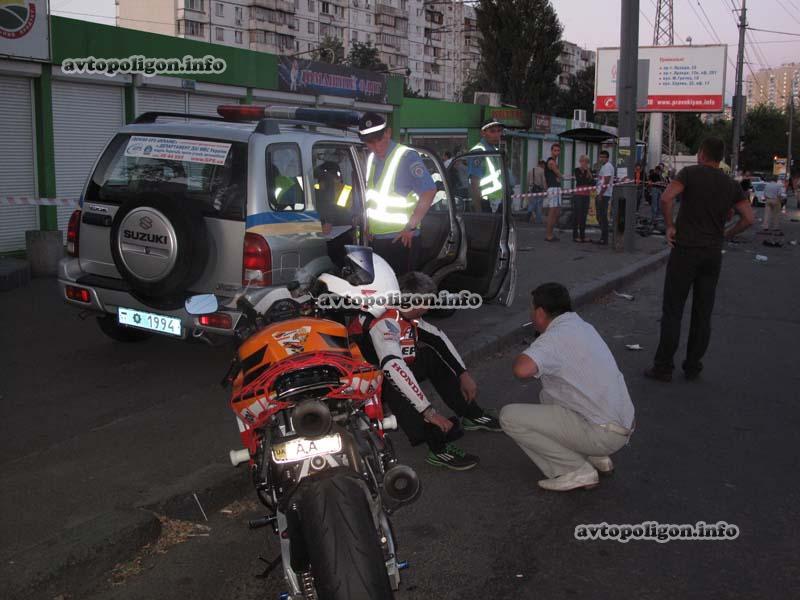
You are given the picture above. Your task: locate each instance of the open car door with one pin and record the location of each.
(442, 249)
(481, 197)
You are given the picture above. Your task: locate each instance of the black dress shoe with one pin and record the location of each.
(658, 375)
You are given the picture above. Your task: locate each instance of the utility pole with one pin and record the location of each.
(663, 35)
(738, 100)
(791, 126)
(628, 80)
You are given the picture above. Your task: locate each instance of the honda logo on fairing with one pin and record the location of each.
(138, 236)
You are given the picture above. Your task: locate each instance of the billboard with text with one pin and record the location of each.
(681, 79)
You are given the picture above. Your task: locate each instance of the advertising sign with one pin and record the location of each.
(196, 151)
(681, 79)
(25, 29)
(316, 78)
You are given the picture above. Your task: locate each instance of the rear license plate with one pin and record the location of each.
(303, 448)
(149, 321)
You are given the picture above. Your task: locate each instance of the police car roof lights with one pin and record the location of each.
(324, 116)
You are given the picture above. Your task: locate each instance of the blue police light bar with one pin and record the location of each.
(324, 116)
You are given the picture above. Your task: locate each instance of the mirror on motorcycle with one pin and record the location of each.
(203, 304)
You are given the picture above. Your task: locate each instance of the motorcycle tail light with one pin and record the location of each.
(256, 261)
(79, 294)
(73, 231)
(216, 320)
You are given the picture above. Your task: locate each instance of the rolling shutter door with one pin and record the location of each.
(159, 100)
(85, 117)
(17, 160)
(200, 104)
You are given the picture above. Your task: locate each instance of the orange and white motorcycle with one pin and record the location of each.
(312, 425)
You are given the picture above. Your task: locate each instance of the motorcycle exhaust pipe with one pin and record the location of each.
(401, 484)
(311, 418)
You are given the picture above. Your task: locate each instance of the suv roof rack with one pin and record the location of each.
(150, 117)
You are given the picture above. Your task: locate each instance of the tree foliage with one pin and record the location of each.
(520, 45)
(579, 95)
(365, 56)
(330, 50)
(764, 137)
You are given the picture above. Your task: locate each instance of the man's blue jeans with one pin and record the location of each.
(535, 204)
(655, 202)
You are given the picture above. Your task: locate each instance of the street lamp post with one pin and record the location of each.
(628, 84)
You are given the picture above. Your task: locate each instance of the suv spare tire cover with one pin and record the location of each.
(159, 245)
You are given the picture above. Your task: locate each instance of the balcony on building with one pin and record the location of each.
(190, 29)
(268, 19)
(270, 41)
(392, 43)
(281, 5)
(391, 24)
(382, 8)
(196, 10)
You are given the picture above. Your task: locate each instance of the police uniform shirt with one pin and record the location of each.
(477, 165)
(412, 176)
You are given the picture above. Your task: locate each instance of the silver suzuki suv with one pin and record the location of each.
(180, 205)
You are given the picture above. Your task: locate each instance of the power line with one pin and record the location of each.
(773, 31)
(783, 6)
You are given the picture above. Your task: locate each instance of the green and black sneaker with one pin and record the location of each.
(485, 422)
(453, 458)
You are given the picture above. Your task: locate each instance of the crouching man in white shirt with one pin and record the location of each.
(585, 413)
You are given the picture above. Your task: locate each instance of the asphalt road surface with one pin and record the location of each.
(723, 448)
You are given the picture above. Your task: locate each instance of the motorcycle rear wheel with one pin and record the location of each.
(342, 541)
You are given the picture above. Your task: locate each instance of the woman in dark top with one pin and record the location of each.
(580, 199)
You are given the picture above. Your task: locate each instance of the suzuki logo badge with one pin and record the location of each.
(145, 222)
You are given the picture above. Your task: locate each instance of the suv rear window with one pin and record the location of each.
(211, 174)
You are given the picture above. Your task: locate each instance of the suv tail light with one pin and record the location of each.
(256, 262)
(79, 294)
(216, 320)
(73, 233)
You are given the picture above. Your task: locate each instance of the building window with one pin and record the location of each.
(239, 15)
(238, 37)
(220, 34)
(193, 28)
(311, 6)
(220, 9)
(311, 27)
(355, 35)
(195, 5)
(325, 9)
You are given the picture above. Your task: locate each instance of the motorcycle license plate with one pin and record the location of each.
(149, 321)
(303, 448)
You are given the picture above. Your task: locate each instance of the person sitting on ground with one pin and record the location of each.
(585, 412)
(410, 350)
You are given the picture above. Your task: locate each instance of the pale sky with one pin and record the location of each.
(595, 23)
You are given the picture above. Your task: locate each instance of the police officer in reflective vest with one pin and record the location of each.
(486, 174)
(400, 190)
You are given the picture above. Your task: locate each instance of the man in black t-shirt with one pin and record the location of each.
(696, 258)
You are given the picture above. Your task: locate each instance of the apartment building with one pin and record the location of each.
(573, 59)
(773, 86)
(436, 41)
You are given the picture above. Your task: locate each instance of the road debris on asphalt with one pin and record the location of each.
(196, 499)
(625, 296)
(633, 347)
(173, 532)
(761, 258)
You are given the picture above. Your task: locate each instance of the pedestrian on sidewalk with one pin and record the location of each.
(605, 186)
(580, 199)
(538, 186)
(656, 189)
(553, 200)
(773, 191)
(696, 257)
(585, 413)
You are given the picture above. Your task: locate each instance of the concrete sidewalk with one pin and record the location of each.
(104, 437)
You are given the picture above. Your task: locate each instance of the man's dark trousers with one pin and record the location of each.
(688, 268)
(401, 259)
(429, 365)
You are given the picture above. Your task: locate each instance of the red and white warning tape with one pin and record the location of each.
(587, 188)
(34, 201)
